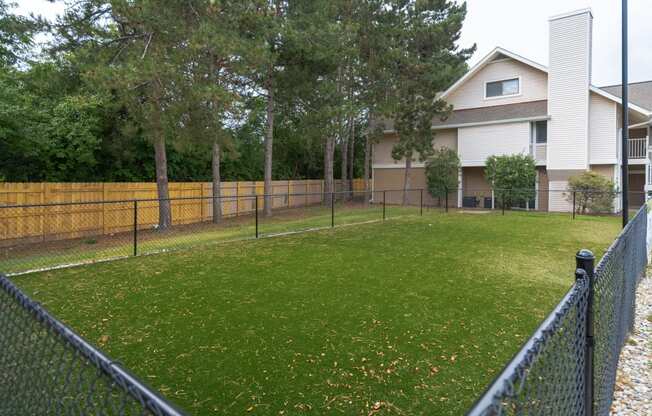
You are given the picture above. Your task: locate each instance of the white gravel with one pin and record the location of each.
(633, 394)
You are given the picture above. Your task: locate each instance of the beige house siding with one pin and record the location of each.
(445, 138)
(478, 143)
(382, 151)
(605, 170)
(391, 180)
(543, 189)
(636, 195)
(534, 85)
(473, 179)
(603, 131)
(475, 185)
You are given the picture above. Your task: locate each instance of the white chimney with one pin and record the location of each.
(569, 79)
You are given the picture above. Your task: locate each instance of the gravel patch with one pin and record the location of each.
(633, 394)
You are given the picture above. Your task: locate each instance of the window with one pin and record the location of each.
(541, 132)
(502, 88)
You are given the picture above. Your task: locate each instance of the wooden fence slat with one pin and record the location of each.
(72, 221)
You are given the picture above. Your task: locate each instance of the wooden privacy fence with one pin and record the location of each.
(76, 216)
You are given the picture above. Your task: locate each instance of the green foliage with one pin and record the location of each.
(442, 172)
(513, 177)
(423, 58)
(593, 193)
(72, 135)
(16, 34)
(121, 75)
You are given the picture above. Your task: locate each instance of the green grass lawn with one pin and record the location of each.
(410, 316)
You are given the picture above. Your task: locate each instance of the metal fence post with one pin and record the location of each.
(502, 194)
(585, 263)
(421, 202)
(383, 205)
(256, 209)
(446, 200)
(574, 192)
(332, 209)
(135, 227)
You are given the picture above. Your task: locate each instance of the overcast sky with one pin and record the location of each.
(521, 26)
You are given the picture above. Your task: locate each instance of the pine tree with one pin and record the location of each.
(426, 59)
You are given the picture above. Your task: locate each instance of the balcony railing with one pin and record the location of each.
(637, 148)
(538, 152)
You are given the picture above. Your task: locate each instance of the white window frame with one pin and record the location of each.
(498, 97)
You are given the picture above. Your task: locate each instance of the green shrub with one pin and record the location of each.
(512, 177)
(442, 170)
(593, 193)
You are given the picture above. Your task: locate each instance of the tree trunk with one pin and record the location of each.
(269, 138)
(406, 182)
(351, 158)
(367, 161)
(345, 165)
(217, 178)
(164, 212)
(328, 169)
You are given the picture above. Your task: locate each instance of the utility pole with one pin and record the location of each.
(625, 117)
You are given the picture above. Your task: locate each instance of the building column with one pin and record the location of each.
(619, 185)
(460, 191)
(648, 166)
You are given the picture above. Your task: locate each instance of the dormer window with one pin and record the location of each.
(502, 88)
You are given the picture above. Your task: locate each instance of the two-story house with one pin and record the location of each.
(508, 104)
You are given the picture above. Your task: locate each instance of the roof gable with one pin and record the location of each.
(497, 54)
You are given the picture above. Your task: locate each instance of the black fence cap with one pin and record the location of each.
(585, 254)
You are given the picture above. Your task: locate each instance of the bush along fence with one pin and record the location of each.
(568, 367)
(43, 236)
(46, 368)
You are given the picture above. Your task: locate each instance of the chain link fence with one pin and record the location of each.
(46, 236)
(568, 366)
(47, 369)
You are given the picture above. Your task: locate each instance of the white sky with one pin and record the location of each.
(521, 26)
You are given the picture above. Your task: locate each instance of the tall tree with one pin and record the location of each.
(426, 60)
(213, 62)
(139, 49)
(264, 23)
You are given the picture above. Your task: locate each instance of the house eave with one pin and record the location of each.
(612, 97)
(483, 123)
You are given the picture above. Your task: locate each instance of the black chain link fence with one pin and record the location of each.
(47, 369)
(568, 367)
(45, 236)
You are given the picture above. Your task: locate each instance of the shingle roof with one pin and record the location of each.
(495, 113)
(488, 114)
(640, 93)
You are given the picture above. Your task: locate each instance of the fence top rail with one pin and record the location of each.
(525, 355)
(123, 378)
(642, 211)
(190, 198)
